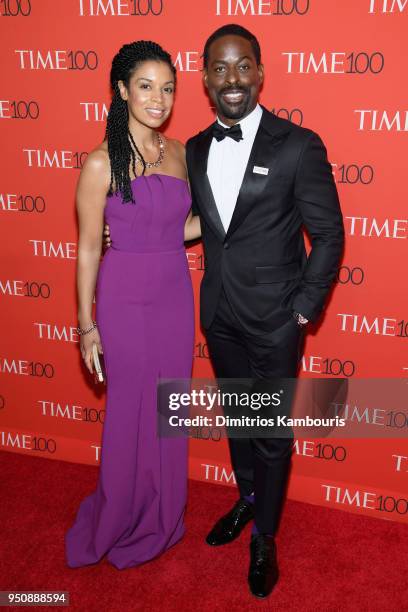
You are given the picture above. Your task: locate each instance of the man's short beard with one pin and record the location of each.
(238, 111)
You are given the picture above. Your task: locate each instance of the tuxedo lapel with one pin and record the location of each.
(264, 154)
(204, 191)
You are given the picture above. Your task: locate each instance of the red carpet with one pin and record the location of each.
(330, 560)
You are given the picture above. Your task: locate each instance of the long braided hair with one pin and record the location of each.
(121, 145)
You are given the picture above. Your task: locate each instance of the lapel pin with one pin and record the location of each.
(260, 170)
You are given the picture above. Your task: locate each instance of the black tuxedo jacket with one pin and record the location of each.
(261, 260)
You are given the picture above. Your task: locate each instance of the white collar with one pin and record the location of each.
(250, 123)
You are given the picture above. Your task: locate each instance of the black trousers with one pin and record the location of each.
(261, 465)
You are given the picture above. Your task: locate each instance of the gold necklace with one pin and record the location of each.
(159, 159)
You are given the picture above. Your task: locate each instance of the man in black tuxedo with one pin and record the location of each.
(256, 179)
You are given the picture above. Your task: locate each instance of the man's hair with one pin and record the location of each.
(232, 29)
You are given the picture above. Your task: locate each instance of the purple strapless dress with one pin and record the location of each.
(144, 311)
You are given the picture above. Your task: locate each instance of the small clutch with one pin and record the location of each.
(98, 365)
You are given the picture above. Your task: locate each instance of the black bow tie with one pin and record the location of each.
(219, 132)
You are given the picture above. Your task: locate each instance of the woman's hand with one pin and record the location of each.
(106, 237)
(86, 343)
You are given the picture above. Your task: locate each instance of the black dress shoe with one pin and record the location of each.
(230, 526)
(263, 569)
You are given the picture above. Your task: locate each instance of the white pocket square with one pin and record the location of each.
(260, 170)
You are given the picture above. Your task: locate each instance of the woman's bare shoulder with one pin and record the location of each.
(177, 147)
(97, 164)
(177, 152)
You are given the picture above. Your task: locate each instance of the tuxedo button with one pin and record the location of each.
(226, 245)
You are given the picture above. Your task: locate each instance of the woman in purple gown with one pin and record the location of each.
(136, 180)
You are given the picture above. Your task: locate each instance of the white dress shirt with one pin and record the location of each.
(227, 161)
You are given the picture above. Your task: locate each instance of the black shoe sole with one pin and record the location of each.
(221, 543)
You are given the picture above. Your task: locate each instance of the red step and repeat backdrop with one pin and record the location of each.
(335, 67)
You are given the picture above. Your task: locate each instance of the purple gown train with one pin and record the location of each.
(144, 311)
